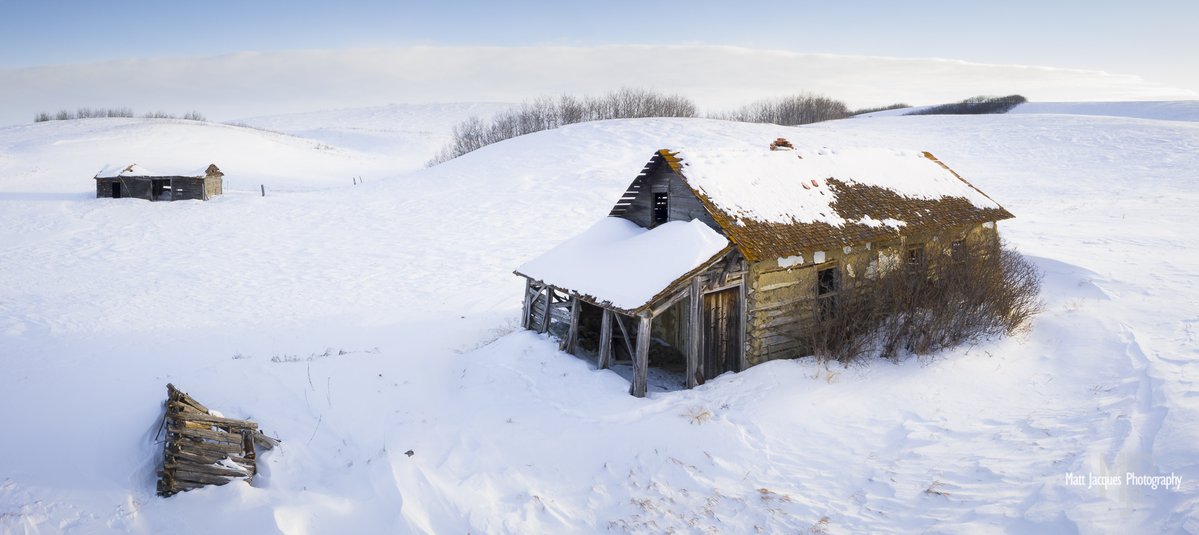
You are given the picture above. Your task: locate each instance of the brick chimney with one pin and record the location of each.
(781, 144)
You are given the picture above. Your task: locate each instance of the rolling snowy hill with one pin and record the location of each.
(1164, 110)
(359, 323)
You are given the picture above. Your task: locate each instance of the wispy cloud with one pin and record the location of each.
(244, 84)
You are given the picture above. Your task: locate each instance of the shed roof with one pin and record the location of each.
(777, 203)
(137, 171)
(624, 264)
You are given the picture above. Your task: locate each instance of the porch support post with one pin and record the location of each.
(527, 310)
(641, 358)
(545, 318)
(572, 336)
(605, 344)
(694, 328)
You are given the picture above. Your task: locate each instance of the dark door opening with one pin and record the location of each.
(116, 190)
(722, 332)
(661, 207)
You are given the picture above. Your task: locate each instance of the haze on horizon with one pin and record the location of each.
(232, 59)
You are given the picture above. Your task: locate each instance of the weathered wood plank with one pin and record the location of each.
(266, 441)
(218, 436)
(196, 477)
(641, 358)
(605, 344)
(208, 469)
(545, 317)
(572, 335)
(208, 418)
(527, 306)
(628, 344)
(694, 333)
(200, 447)
(175, 394)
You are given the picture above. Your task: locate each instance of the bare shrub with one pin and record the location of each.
(794, 110)
(974, 106)
(974, 293)
(158, 115)
(547, 113)
(63, 115)
(41, 117)
(194, 116)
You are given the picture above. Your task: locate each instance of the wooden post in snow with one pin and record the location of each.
(605, 344)
(694, 331)
(263, 186)
(641, 359)
(527, 309)
(545, 318)
(572, 336)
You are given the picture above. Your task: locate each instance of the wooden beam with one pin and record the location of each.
(572, 335)
(694, 332)
(641, 358)
(624, 332)
(605, 344)
(545, 318)
(528, 305)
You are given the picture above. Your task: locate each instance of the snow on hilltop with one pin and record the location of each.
(361, 323)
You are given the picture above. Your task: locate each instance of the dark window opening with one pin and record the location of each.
(957, 251)
(916, 259)
(661, 207)
(828, 282)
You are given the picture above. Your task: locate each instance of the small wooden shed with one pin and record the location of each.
(138, 182)
(711, 258)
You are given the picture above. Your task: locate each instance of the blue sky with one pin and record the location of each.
(1154, 39)
(46, 48)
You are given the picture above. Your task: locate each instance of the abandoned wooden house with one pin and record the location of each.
(138, 182)
(715, 261)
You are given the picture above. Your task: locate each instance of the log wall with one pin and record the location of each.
(781, 298)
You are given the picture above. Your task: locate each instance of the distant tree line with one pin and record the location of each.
(94, 113)
(547, 113)
(793, 110)
(974, 106)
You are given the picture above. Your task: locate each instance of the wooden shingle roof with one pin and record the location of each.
(778, 204)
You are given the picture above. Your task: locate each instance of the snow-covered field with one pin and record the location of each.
(359, 323)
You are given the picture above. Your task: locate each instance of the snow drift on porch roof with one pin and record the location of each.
(622, 263)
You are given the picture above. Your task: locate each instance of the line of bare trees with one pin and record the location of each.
(547, 113)
(975, 293)
(123, 111)
(974, 106)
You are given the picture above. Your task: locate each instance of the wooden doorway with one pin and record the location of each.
(722, 332)
(116, 190)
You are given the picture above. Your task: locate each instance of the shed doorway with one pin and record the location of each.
(722, 332)
(116, 190)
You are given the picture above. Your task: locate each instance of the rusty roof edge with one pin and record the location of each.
(930, 156)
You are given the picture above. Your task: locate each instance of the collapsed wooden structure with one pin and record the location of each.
(135, 181)
(746, 250)
(202, 448)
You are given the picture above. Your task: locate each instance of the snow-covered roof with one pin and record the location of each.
(777, 203)
(135, 170)
(788, 186)
(622, 263)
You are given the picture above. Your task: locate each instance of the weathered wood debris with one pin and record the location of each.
(202, 448)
